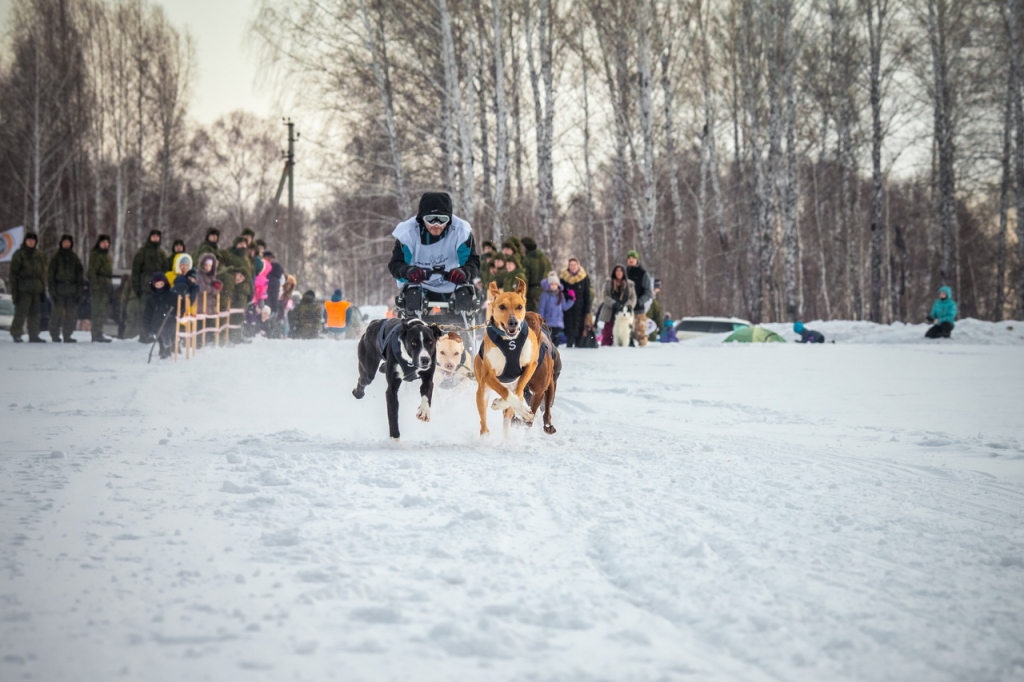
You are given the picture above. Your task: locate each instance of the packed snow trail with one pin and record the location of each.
(754, 512)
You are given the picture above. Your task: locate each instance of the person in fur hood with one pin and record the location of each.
(576, 280)
(208, 284)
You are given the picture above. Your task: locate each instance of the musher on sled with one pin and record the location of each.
(435, 263)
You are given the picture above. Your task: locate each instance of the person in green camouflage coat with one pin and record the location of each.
(28, 284)
(149, 260)
(506, 278)
(305, 320)
(211, 244)
(100, 274)
(536, 266)
(238, 257)
(66, 279)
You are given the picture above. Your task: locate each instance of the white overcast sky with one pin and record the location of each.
(227, 73)
(226, 77)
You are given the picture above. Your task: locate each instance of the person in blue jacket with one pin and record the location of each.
(553, 303)
(807, 335)
(943, 315)
(668, 332)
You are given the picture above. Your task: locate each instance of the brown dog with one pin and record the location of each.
(516, 354)
(452, 360)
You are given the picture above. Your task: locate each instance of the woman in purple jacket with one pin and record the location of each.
(553, 302)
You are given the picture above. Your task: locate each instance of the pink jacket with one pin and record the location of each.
(261, 284)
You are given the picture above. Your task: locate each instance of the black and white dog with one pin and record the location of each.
(401, 350)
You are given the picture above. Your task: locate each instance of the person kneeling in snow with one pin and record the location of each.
(807, 335)
(668, 333)
(943, 315)
(161, 304)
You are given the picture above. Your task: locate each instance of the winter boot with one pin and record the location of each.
(68, 339)
(17, 339)
(102, 339)
(37, 339)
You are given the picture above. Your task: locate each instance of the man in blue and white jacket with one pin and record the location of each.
(435, 258)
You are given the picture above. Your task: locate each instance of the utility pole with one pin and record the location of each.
(287, 174)
(290, 170)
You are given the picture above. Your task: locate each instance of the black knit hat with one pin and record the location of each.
(179, 241)
(490, 244)
(212, 231)
(67, 237)
(529, 243)
(156, 232)
(248, 233)
(31, 235)
(434, 203)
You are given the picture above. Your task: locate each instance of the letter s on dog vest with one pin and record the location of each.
(449, 252)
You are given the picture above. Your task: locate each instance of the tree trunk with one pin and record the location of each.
(875, 15)
(1004, 193)
(670, 142)
(381, 69)
(944, 134)
(501, 116)
(589, 176)
(650, 205)
(1014, 14)
(453, 110)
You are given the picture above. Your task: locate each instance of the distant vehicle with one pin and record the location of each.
(6, 311)
(692, 327)
(373, 312)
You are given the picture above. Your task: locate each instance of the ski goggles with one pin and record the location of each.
(436, 219)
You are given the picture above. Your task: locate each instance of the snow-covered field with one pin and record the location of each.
(705, 512)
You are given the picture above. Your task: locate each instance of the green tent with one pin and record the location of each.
(755, 335)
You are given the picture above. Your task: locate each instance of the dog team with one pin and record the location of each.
(517, 360)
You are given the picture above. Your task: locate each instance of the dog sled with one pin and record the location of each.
(460, 311)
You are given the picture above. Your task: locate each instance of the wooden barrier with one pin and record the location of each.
(190, 335)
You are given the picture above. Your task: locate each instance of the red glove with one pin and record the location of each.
(218, 285)
(571, 294)
(416, 275)
(456, 276)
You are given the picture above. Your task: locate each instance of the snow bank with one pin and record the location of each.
(970, 332)
(848, 512)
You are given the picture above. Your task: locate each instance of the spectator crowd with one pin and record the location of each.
(243, 276)
(567, 300)
(246, 278)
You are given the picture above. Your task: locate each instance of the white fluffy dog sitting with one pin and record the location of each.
(622, 332)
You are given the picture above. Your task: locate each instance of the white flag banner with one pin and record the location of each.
(10, 241)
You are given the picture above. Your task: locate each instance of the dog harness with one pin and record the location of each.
(512, 349)
(387, 338)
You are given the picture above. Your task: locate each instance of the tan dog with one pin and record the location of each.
(515, 354)
(452, 360)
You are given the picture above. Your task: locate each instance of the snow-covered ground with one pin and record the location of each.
(705, 512)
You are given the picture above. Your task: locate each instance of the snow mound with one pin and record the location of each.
(968, 332)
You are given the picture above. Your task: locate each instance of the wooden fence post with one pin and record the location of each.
(177, 330)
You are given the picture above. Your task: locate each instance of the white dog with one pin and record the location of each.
(622, 332)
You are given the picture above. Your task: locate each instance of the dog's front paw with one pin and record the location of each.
(358, 392)
(423, 413)
(499, 404)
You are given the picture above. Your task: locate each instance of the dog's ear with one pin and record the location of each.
(454, 337)
(436, 331)
(520, 286)
(493, 291)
